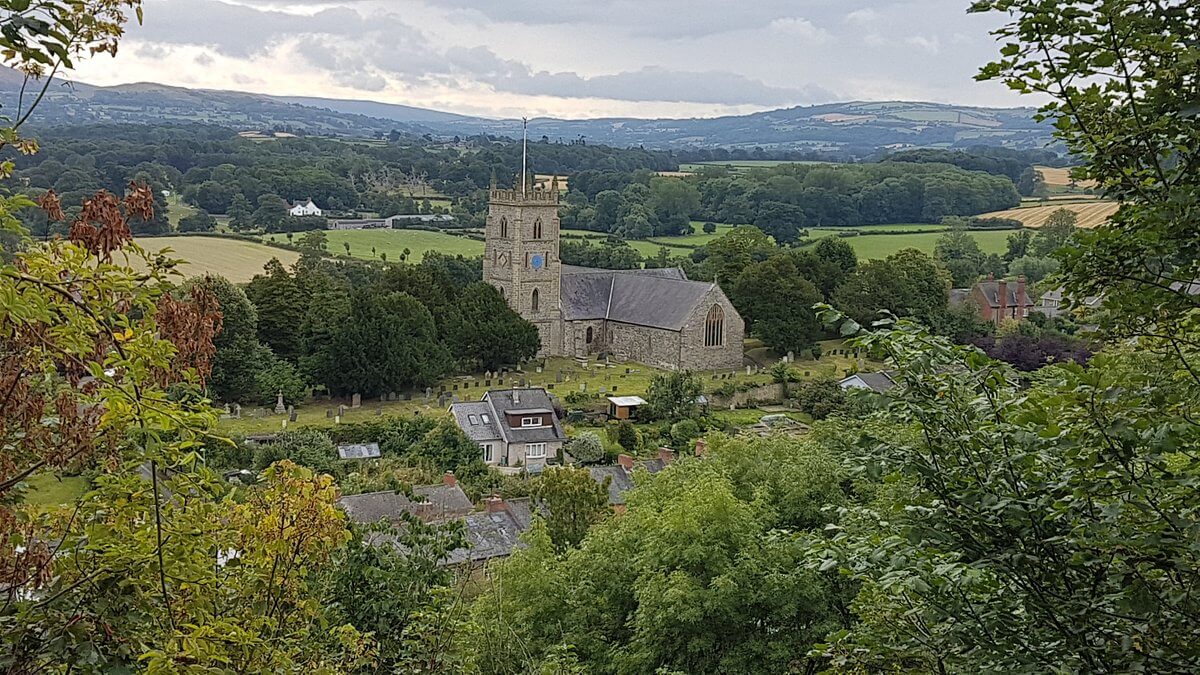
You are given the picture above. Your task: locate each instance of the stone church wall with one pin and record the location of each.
(652, 346)
(694, 355)
(575, 338)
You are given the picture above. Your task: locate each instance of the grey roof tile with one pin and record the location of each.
(480, 431)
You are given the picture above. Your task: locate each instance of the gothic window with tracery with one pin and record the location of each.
(714, 327)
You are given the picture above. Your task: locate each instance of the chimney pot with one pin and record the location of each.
(667, 455)
(495, 504)
(625, 461)
(701, 447)
(449, 479)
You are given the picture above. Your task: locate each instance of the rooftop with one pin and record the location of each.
(661, 298)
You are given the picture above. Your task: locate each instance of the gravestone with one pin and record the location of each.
(237, 410)
(628, 371)
(456, 387)
(791, 357)
(806, 373)
(747, 370)
(227, 412)
(487, 383)
(550, 386)
(428, 394)
(583, 386)
(328, 414)
(603, 390)
(337, 419)
(408, 396)
(356, 401)
(280, 408)
(500, 382)
(487, 375)
(521, 383)
(379, 412)
(441, 388)
(558, 376)
(341, 411)
(614, 388)
(292, 415)
(607, 377)
(393, 396)
(454, 398)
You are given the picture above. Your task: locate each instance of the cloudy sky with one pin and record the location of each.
(567, 58)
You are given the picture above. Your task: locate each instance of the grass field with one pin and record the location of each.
(737, 165)
(1090, 214)
(393, 243)
(177, 210)
(235, 260)
(876, 246)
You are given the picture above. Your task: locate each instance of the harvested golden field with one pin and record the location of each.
(1090, 214)
(237, 261)
(1061, 177)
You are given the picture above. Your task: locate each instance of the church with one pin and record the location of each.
(656, 316)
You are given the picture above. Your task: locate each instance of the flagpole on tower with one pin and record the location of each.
(524, 151)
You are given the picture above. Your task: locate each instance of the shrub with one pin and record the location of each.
(587, 448)
(710, 228)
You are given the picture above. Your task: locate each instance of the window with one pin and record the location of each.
(473, 419)
(714, 327)
(537, 229)
(589, 335)
(486, 418)
(533, 300)
(531, 421)
(488, 452)
(535, 450)
(503, 226)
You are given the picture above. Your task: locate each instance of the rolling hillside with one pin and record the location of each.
(856, 129)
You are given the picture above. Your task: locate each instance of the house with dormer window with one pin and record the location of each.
(516, 429)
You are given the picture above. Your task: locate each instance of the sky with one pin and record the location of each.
(568, 58)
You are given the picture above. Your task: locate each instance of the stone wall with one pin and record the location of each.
(652, 346)
(767, 393)
(694, 355)
(575, 338)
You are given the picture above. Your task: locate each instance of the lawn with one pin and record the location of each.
(471, 387)
(177, 210)
(233, 259)
(679, 245)
(875, 246)
(737, 165)
(393, 243)
(45, 489)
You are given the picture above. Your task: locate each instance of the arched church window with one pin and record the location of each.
(533, 300)
(589, 335)
(537, 229)
(503, 226)
(714, 327)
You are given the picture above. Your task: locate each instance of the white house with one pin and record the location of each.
(309, 209)
(515, 428)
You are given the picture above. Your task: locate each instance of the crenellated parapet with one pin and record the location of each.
(531, 196)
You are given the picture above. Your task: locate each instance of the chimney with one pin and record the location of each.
(625, 461)
(516, 395)
(701, 447)
(449, 480)
(667, 455)
(495, 504)
(1002, 299)
(1021, 299)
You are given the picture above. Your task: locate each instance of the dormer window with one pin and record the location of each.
(473, 419)
(486, 418)
(531, 421)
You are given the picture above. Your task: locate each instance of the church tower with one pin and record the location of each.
(520, 257)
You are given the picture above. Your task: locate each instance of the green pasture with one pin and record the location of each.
(875, 246)
(393, 242)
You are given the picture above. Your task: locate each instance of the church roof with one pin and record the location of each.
(659, 298)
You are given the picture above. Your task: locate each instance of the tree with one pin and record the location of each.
(586, 448)
(776, 300)
(315, 241)
(271, 213)
(1033, 268)
(280, 305)
(1031, 183)
(1055, 233)
(838, 252)
(958, 250)
(1018, 245)
(485, 333)
(728, 255)
(673, 396)
(197, 222)
(571, 503)
(240, 213)
(236, 360)
(387, 342)
(709, 227)
(908, 283)
(781, 221)
(674, 202)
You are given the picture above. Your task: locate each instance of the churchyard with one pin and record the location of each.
(562, 377)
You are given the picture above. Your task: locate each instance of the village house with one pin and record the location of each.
(1055, 303)
(997, 300)
(876, 382)
(491, 533)
(618, 478)
(516, 429)
(306, 209)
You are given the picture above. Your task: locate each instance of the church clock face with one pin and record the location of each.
(538, 261)
(502, 259)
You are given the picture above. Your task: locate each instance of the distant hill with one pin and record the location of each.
(855, 128)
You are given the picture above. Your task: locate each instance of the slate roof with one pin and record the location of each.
(622, 480)
(441, 502)
(879, 382)
(503, 402)
(491, 535)
(659, 298)
(358, 450)
(480, 431)
(991, 293)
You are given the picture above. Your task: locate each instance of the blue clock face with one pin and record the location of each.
(537, 261)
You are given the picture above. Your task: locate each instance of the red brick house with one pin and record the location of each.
(999, 299)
